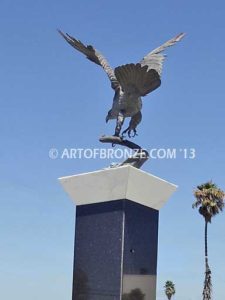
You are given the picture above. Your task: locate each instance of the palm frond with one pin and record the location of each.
(210, 200)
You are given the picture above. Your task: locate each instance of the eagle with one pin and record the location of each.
(130, 82)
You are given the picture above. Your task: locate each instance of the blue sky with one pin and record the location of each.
(52, 97)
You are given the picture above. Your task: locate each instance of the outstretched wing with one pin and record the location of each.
(93, 55)
(144, 77)
(154, 59)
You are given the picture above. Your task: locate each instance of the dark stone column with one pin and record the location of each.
(115, 251)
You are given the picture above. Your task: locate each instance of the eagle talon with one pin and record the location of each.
(129, 133)
(135, 133)
(123, 135)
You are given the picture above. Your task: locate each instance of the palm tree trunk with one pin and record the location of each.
(207, 290)
(206, 246)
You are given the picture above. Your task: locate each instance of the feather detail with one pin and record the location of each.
(93, 55)
(154, 59)
(135, 79)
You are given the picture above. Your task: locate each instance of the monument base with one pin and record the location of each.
(115, 251)
(116, 233)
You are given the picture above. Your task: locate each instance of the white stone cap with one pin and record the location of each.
(118, 183)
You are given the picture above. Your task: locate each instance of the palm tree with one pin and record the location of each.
(210, 200)
(169, 289)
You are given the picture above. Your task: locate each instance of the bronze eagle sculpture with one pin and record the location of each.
(130, 82)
